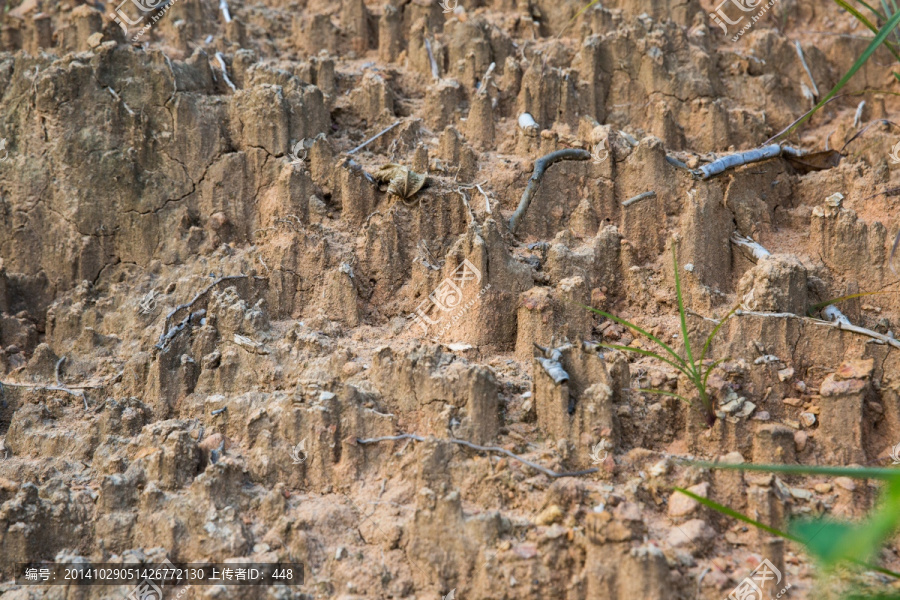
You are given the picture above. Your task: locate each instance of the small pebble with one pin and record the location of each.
(846, 483)
(823, 488)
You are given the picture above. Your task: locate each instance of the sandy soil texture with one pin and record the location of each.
(243, 242)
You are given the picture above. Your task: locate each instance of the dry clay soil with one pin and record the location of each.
(206, 301)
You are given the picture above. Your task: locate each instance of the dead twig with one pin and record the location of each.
(487, 201)
(200, 296)
(815, 88)
(540, 166)
(535, 466)
(859, 112)
(434, 66)
(842, 324)
(486, 79)
(373, 138)
(847, 326)
(224, 67)
(223, 6)
(465, 200)
(119, 99)
(719, 166)
(639, 197)
(78, 393)
(755, 248)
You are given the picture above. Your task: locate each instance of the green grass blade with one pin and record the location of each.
(681, 314)
(573, 19)
(834, 542)
(872, 27)
(643, 352)
(634, 327)
(810, 312)
(870, 49)
(664, 393)
(710, 369)
(739, 516)
(776, 532)
(714, 332)
(880, 16)
(852, 472)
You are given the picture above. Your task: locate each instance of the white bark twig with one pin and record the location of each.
(833, 315)
(119, 99)
(223, 6)
(839, 324)
(859, 112)
(847, 326)
(755, 248)
(719, 166)
(373, 138)
(434, 66)
(815, 88)
(224, 67)
(486, 79)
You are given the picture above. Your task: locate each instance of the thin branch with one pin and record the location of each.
(755, 248)
(815, 88)
(840, 324)
(78, 393)
(223, 6)
(860, 330)
(487, 201)
(535, 466)
(859, 112)
(224, 67)
(540, 166)
(486, 79)
(434, 66)
(198, 297)
(752, 313)
(719, 166)
(639, 197)
(465, 200)
(56, 370)
(373, 138)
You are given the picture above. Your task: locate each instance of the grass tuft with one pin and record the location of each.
(693, 368)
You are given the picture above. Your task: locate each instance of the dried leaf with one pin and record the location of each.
(402, 181)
